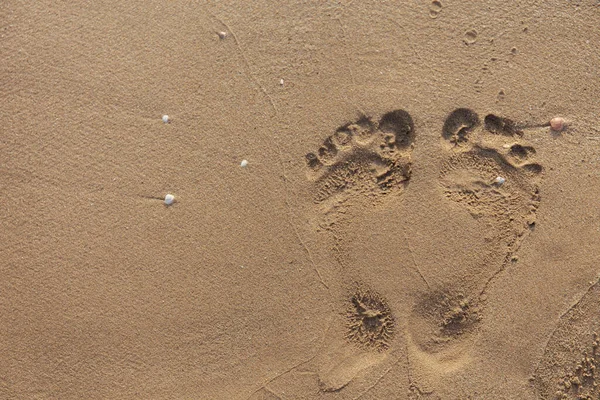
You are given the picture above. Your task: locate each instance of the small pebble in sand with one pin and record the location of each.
(244, 163)
(557, 124)
(222, 35)
(499, 181)
(169, 199)
(165, 119)
(281, 82)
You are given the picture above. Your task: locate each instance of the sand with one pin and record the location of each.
(367, 250)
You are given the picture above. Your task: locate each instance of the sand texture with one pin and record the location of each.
(406, 224)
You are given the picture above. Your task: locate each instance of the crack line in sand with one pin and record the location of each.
(412, 386)
(410, 44)
(349, 64)
(274, 393)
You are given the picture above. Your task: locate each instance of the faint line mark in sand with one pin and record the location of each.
(286, 201)
(348, 59)
(505, 264)
(387, 371)
(412, 256)
(411, 383)
(410, 44)
(348, 62)
(287, 204)
(253, 78)
(291, 222)
(270, 380)
(274, 393)
(404, 31)
(412, 386)
(282, 164)
(575, 304)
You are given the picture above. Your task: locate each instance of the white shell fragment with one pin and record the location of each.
(169, 199)
(165, 119)
(281, 82)
(244, 163)
(499, 180)
(222, 35)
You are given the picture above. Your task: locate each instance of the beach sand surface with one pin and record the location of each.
(407, 224)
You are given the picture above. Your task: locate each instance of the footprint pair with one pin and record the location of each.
(487, 168)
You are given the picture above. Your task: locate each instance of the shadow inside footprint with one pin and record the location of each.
(521, 153)
(401, 124)
(459, 125)
(501, 126)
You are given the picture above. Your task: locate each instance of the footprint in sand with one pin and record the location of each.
(569, 366)
(364, 157)
(357, 166)
(488, 170)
